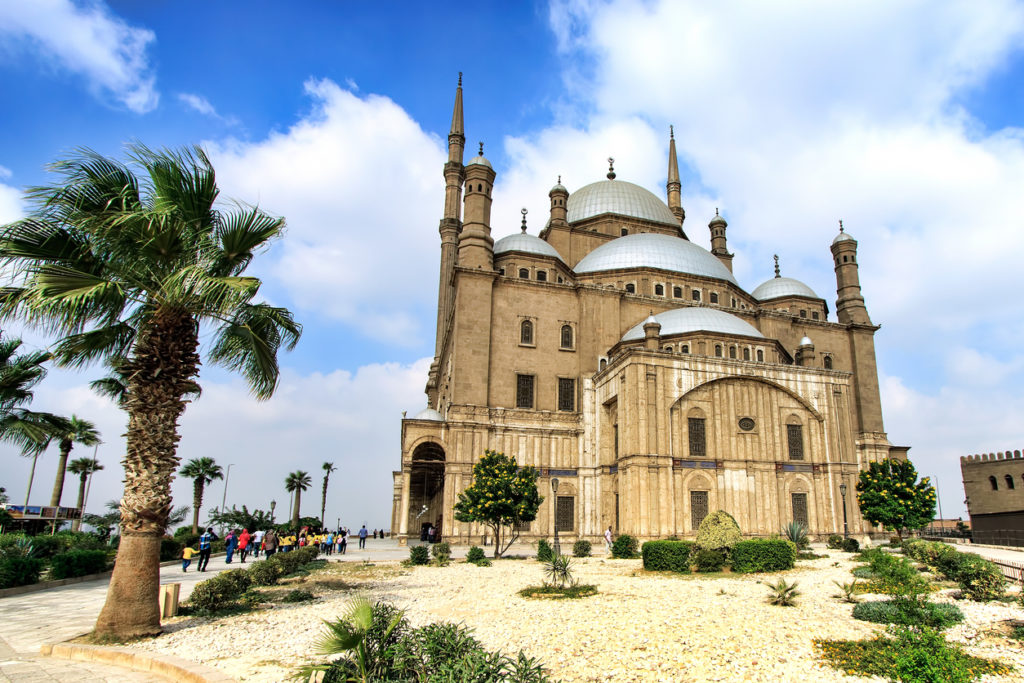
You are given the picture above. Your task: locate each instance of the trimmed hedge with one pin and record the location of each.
(708, 561)
(220, 591)
(763, 555)
(265, 573)
(581, 548)
(77, 563)
(624, 547)
(672, 556)
(19, 571)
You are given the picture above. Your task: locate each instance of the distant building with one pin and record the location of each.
(994, 486)
(613, 353)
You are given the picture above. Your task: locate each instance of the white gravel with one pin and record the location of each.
(640, 627)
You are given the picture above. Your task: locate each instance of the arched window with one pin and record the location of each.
(603, 364)
(714, 297)
(696, 295)
(1009, 481)
(718, 350)
(566, 336)
(677, 292)
(803, 312)
(746, 354)
(760, 356)
(732, 352)
(526, 332)
(631, 288)
(542, 276)
(524, 273)
(624, 232)
(828, 362)
(685, 348)
(994, 483)
(659, 290)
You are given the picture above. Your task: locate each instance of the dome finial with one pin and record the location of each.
(559, 179)
(716, 210)
(611, 168)
(524, 212)
(671, 132)
(481, 153)
(840, 225)
(460, 85)
(777, 266)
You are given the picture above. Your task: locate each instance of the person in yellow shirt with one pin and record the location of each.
(186, 557)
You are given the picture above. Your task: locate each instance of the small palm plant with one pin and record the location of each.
(782, 593)
(559, 570)
(796, 532)
(849, 591)
(350, 634)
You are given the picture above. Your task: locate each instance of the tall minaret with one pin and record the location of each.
(673, 186)
(451, 225)
(718, 243)
(850, 306)
(476, 246)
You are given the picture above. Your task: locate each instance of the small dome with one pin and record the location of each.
(528, 244)
(806, 341)
(843, 237)
(779, 287)
(697, 319)
(651, 250)
(479, 160)
(717, 220)
(617, 197)
(558, 188)
(429, 414)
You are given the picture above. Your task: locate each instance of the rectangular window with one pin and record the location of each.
(524, 391)
(565, 513)
(698, 442)
(616, 437)
(795, 437)
(698, 508)
(800, 508)
(566, 394)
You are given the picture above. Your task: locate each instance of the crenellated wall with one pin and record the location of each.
(993, 482)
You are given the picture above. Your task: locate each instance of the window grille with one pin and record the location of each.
(698, 440)
(565, 513)
(718, 350)
(524, 273)
(542, 276)
(526, 332)
(795, 437)
(828, 362)
(800, 508)
(566, 394)
(524, 391)
(696, 295)
(631, 288)
(566, 336)
(732, 352)
(714, 297)
(677, 292)
(698, 508)
(760, 356)
(685, 348)
(659, 290)
(746, 354)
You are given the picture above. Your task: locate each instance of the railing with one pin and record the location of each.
(1014, 571)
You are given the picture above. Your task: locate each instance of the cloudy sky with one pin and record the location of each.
(903, 119)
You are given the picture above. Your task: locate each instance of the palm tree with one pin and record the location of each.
(83, 467)
(298, 482)
(201, 471)
(77, 431)
(328, 467)
(125, 261)
(19, 373)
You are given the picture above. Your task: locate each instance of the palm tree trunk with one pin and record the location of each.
(323, 502)
(197, 502)
(31, 476)
(161, 372)
(62, 465)
(77, 524)
(295, 512)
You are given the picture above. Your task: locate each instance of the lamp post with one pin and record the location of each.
(273, 504)
(842, 492)
(554, 506)
(224, 497)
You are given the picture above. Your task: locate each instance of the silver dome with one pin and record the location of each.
(429, 414)
(782, 286)
(697, 319)
(618, 197)
(651, 250)
(842, 237)
(528, 244)
(479, 160)
(806, 341)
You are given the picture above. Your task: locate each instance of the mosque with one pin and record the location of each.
(618, 357)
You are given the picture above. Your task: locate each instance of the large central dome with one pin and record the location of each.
(617, 197)
(651, 250)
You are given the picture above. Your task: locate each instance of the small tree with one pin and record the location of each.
(890, 495)
(501, 495)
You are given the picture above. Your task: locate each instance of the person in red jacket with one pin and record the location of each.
(244, 540)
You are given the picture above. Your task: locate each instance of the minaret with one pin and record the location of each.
(451, 225)
(673, 186)
(476, 246)
(850, 306)
(718, 245)
(559, 196)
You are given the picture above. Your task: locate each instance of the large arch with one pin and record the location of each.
(751, 378)
(426, 488)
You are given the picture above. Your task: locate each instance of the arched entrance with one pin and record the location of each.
(426, 490)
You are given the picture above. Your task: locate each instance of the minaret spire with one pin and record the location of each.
(673, 186)
(458, 128)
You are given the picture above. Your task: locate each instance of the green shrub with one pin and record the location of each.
(77, 563)
(863, 572)
(238, 580)
(708, 560)
(474, 554)
(718, 531)
(763, 555)
(182, 531)
(483, 563)
(624, 547)
(929, 614)
(19, 571)
(442, 552)
(44, 547)
(581, 548)
(544, 550)
(671, 556)
(265, 573)
(796, 532)
(835, 542)
(170, 549)
(850, 545)
(782, 594)
(80, 540)
(298, 595)
(418, 554)
(981, 579)
(220, 591)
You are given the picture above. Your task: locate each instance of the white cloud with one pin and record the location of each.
(88, 39)
(11, 208)
(198, 103)
(361, 186)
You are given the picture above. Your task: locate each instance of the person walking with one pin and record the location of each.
(362, 537)
(269, 543)
(257, 543)
(186, 558)
(230, 543)
(343, 543)
(205, 546)
(608, 538)
(244, 539)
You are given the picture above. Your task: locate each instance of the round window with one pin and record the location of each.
(746, 423)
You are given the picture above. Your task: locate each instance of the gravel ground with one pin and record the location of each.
(640, 627)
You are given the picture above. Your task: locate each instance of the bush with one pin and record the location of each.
(782, 594)
(709, 560)
(474, 554)
(418, 554)
(763, 555)
(544, 550)
(483, 563)
(44, 547)
(265, 573)
(718, 531)
(298, 595)
(850, 545)
(581, 548)
(221, 591)
(981, 579)
(624, 547)
(834, 542)
(671, 556)
(78, 563)
(930, 614)
(442, 552)
(170, 549)
(19, 571)
(797, 532)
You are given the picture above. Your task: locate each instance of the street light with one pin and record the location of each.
(842, 492)
(224, 497)
(273, 504)
(554, 488)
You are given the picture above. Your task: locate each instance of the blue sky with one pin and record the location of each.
(902, 119)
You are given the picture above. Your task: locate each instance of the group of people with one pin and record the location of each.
(270, 542)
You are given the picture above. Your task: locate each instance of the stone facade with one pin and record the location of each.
(994, 488)
(613, 353)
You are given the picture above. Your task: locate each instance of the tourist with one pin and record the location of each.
(205, 544)
(186, 558)
(430, 533)
(362, 537)
(269, 543)
(257, 543)
(230, 543)
(243, 543)
(343, 542)
(328, 545)
(608, 538)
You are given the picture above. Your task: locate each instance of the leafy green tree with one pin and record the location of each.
(501, 495)
(75, 431)
(125, 262)
(19, 374)
(82, 467)
(890, 495)
(296, 483)
(241, 519)
(201, 471)
(328, 467)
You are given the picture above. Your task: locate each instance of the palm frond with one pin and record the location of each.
(249, 344)
(111, 341)
(241, 233)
